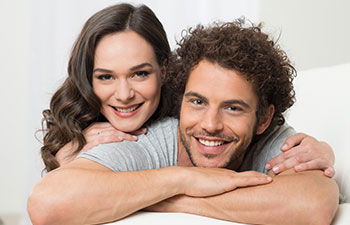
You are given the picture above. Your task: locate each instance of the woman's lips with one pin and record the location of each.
(125, 112)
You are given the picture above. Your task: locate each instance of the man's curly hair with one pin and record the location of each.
(244, 48)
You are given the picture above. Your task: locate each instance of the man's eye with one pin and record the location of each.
(234, 108)
(197, 102)
(105, 77)
(141, 74)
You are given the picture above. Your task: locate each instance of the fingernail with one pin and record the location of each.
(298, 167)
(269, 179)
(135, 137)
(284, 147)
(275, 169)
(120, 138)
(268, 166)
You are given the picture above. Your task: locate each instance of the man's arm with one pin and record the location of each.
(303, 198)
(85, 192)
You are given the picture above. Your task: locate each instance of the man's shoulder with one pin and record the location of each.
(155, 149)
(165, 123)
(266, 147)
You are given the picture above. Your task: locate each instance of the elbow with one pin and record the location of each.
(44, 207)
(318, 208)
(325, 207)
(314, 199)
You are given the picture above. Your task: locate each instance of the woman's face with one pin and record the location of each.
(127, 79)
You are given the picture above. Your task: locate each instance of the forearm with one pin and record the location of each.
(305, 198)
(82, 196)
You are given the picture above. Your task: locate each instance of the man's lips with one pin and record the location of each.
(210, 143)
(213, 145)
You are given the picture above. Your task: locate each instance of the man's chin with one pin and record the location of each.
(210, 163)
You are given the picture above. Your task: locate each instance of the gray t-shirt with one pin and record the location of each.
(158, 149)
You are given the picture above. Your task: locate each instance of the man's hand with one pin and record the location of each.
(203, 182)
(303, 152)
(206, 182)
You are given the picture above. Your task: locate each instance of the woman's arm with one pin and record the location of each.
(95, 134)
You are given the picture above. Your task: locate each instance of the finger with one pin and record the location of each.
(285, 165)
(112, 134)
(329, 172)
(293, 140)
(293, 152)
(316, 164)
(244, 181)
(274, 161)
(98, 128)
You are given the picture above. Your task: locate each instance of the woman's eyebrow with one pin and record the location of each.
(102, 70)
(140, 66)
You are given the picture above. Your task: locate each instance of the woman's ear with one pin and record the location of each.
(265, 120)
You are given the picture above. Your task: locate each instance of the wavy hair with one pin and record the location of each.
(242, 47)
(74, 106)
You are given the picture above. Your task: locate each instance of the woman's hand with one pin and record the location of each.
(97, 133)
(303, 152)
(104, 132)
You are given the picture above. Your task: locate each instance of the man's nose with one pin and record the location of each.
(212, 121)
(124, 91)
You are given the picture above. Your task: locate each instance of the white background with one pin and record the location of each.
(36, 37)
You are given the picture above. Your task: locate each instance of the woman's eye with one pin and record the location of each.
(105, 77)
(141, 74)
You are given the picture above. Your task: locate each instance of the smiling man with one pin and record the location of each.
(216, 127)
(236, 83)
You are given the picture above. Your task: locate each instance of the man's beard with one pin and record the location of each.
(236, 155)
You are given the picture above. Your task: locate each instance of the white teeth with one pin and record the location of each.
(126, 110)
(211, 143)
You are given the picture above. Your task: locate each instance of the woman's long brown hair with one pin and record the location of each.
(74, 106)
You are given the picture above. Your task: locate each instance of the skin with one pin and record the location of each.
(225, 118)
(128, 83)
(100, 195)
(126, 80)
(125, 77)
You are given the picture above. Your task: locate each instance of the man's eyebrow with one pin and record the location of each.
(195, 94)
(227, 102)
(140, 66)
(237, 101)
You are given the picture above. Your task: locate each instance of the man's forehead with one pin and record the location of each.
(211, 79)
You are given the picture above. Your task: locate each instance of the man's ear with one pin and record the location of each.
(265, 120)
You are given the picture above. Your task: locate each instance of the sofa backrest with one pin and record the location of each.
(322, 109)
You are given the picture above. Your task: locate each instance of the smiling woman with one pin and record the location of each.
(126, 80)
(116, 74)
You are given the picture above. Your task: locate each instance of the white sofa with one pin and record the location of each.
(322, 110)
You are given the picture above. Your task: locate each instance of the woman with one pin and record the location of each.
(116, 73)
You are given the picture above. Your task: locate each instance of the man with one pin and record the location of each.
(236, 84)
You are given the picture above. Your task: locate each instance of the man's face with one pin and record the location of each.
(218, 116)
